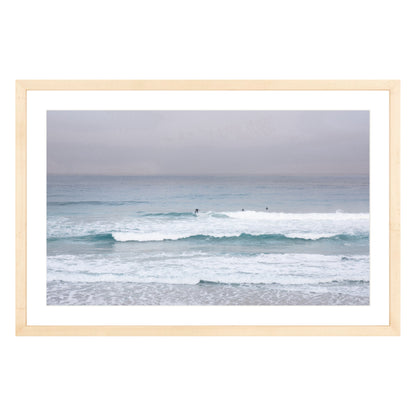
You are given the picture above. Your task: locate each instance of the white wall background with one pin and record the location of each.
(207, 40)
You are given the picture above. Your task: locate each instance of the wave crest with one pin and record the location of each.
(288, 216)
(144, 237)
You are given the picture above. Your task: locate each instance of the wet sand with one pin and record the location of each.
(126, 293)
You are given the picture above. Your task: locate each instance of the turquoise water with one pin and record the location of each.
(254, 240)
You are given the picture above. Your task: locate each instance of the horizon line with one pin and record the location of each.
(212, 174)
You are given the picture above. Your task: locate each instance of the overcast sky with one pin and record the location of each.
(208, 142)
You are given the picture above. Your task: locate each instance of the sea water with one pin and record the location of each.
(276, 240)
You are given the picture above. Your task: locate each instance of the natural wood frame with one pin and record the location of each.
(22, 86)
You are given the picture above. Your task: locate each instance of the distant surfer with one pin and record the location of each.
(242, 209)
(196, 211)
(267, 208)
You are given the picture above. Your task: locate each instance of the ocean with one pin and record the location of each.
(255, 240)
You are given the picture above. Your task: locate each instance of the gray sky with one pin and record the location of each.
(208, 142)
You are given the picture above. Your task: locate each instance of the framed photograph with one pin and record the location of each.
(259, 207)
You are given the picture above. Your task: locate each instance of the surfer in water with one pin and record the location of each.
(196, 211)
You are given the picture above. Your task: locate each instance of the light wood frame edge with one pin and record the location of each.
(22, 86)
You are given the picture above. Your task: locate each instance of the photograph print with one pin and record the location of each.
(208, 208)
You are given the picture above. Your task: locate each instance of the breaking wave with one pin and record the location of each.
(124, 237)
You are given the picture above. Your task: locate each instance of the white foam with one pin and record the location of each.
(286, 216)
(222, 224)
(287, 269)
(143, 237)
(310, 236)
(129, 236)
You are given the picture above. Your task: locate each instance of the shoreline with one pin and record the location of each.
(128, 293)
